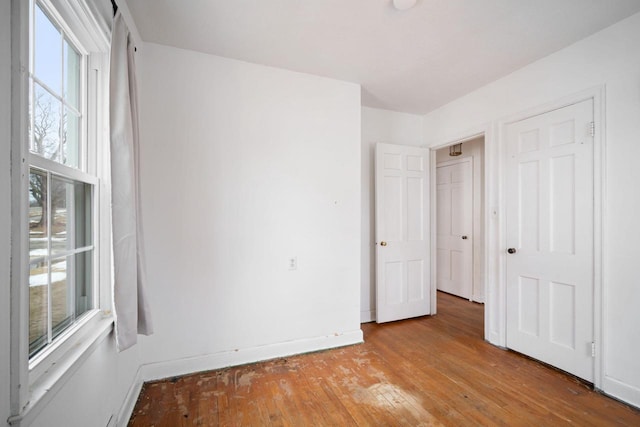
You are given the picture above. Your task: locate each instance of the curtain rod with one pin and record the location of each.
(115, 9)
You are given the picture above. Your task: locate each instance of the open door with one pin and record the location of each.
(402, 233)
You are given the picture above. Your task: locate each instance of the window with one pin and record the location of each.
(60, 251)
(62, 185)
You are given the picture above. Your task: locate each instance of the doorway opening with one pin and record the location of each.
(459, 209)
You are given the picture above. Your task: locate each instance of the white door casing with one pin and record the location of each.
(454, 182)
(550, 226)
(402, 232)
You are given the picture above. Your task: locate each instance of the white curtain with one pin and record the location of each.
(130, 300)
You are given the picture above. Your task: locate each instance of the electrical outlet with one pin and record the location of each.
(293, 263)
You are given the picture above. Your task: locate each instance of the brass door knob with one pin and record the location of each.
(383, 243)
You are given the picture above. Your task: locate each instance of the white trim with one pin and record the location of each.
(433, 231)
(224, 359)
(61, 170)
(494, 311)
(620, 390)
(453, 162)
(75, 14)
(470, 135)
(129, 403)
(565, 101)
(367, 316)
(19, 186)
(102, 196)
(599, 242)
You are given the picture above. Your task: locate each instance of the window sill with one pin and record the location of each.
(51, 380)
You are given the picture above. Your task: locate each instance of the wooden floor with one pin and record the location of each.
(421, 372)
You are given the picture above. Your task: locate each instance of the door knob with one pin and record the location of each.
(383, 243)
(464, 237)
(511, 250)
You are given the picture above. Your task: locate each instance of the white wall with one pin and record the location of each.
(96, 392)
(87, 397)
(5, 203)
(474, 149)
(607, 58)
(392, 128)
(244, 166)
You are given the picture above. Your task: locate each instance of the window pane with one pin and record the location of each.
(71, 218)
(72, 76)
(71, 139)
(46, 124)
(83, 283)
(37, 215)
(61, 305)
(48, 52)
(71, 290)
(38, 306)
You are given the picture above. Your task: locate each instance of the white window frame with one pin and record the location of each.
(34, 382)
(83, 173)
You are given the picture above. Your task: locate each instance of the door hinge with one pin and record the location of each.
(593, 349)
(592, 129)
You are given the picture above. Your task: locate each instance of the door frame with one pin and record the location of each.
(495, 315)
(487, 132)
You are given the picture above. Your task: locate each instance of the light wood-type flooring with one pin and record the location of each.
(427, 371)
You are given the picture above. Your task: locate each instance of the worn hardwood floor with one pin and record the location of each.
(421, 372)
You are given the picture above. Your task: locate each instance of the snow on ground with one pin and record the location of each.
(58, 274)
(41, 279)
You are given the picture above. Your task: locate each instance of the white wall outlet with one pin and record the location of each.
(293, 263)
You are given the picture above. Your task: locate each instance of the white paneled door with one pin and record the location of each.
(454, 186)
(402, 232)
(549, 260)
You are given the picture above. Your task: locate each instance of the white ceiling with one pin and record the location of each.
(412, 61)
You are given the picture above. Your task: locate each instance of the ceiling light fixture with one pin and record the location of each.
(404, 4)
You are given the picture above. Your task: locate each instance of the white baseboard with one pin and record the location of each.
(224, 359)
(494, 338)
(622, 391)
(367, 316)
(130, 400)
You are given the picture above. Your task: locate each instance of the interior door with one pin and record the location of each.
(402, 232)
(454, 186)
(549, 264)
